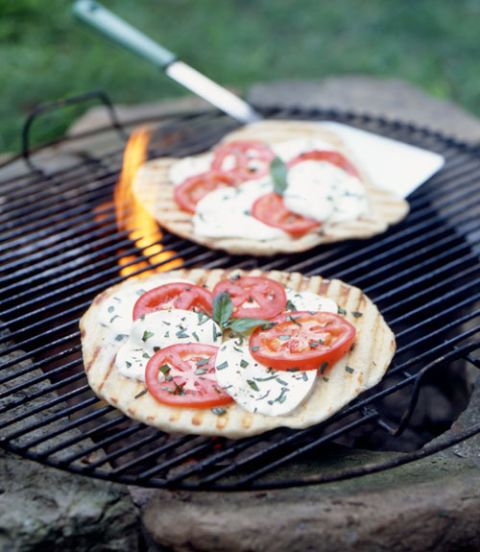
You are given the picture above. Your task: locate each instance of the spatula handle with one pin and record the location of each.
(122, 33)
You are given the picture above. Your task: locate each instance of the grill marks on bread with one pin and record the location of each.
(155, 191)
(369, 359)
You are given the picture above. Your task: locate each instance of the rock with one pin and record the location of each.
(391, 98)
(45, 509)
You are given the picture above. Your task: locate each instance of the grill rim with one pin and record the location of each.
(401, 458)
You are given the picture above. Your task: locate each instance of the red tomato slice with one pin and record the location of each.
(243, 159)
(271, 210)
(303, 340)
(184, 375)
(190, 192)
(333, 157)
(173, 296)
(254, 296)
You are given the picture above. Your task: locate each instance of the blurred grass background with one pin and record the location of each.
(45, 54)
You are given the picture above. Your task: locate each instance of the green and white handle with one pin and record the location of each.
(124, 34)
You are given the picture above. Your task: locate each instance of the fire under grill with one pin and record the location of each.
(60, 246)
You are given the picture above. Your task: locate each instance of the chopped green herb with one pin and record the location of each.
(200, 371)
(282, 382)
(222, 366)
(349, 369)
(117, 299)
(195, 335)
(167, 334)
(323, 367)
(266, 379)
(293, 370)
(143, 392)
(237, 349)
(121, 337)
(278, 172)
(253, 385)
(182, 334)
(129, 364)
(291, 306)
(141, 291)
(244, 325)
(284, 337)
(202, 318)
(165, 369)
(291, 318)
(218, 411)
(114, 318)
(147, 335)
(314, 344)
(222, 308)
(357, 314)
(202, 362)
(166, 323)
(146, 355)
(325, 379)
(110, 309)
(178, 389)
(156, 349)
(341, 311)
(243, 363)
(255, 348)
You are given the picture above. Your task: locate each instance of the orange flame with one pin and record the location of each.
(133, 217)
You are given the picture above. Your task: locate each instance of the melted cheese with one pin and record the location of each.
(325, 193)
(158, 330)
(226, 213)
(308, 301)
(255, 387)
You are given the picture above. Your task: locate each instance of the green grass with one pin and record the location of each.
(45, 54)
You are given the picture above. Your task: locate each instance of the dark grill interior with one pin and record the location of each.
(60, 247)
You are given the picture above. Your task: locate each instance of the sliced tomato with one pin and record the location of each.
(177, 295)
(254, 296)
(190, 192)
(333, 157)
(243, 159)
(184, 375)
(271, 210)
(303, 340)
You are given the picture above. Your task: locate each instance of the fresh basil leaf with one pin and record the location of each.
(222, 309)
(243, 325)
(278, 172)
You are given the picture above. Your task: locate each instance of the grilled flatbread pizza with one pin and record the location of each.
(270, 187)
(232, 353)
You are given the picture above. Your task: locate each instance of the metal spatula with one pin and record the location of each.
(392, 165)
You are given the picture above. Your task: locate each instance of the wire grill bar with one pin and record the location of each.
(59, 247)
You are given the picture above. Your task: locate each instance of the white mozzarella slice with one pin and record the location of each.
(189, 166)
(308, 301)
(158, 330)
(226, 213)
(255, 387)
(322, 191)
(116, 312)
(289, 149)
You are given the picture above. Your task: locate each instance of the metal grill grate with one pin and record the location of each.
(59, 247)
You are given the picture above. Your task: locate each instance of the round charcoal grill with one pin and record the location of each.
(59, 247)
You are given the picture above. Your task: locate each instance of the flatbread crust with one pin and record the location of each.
(369, 359)
(154, 190)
